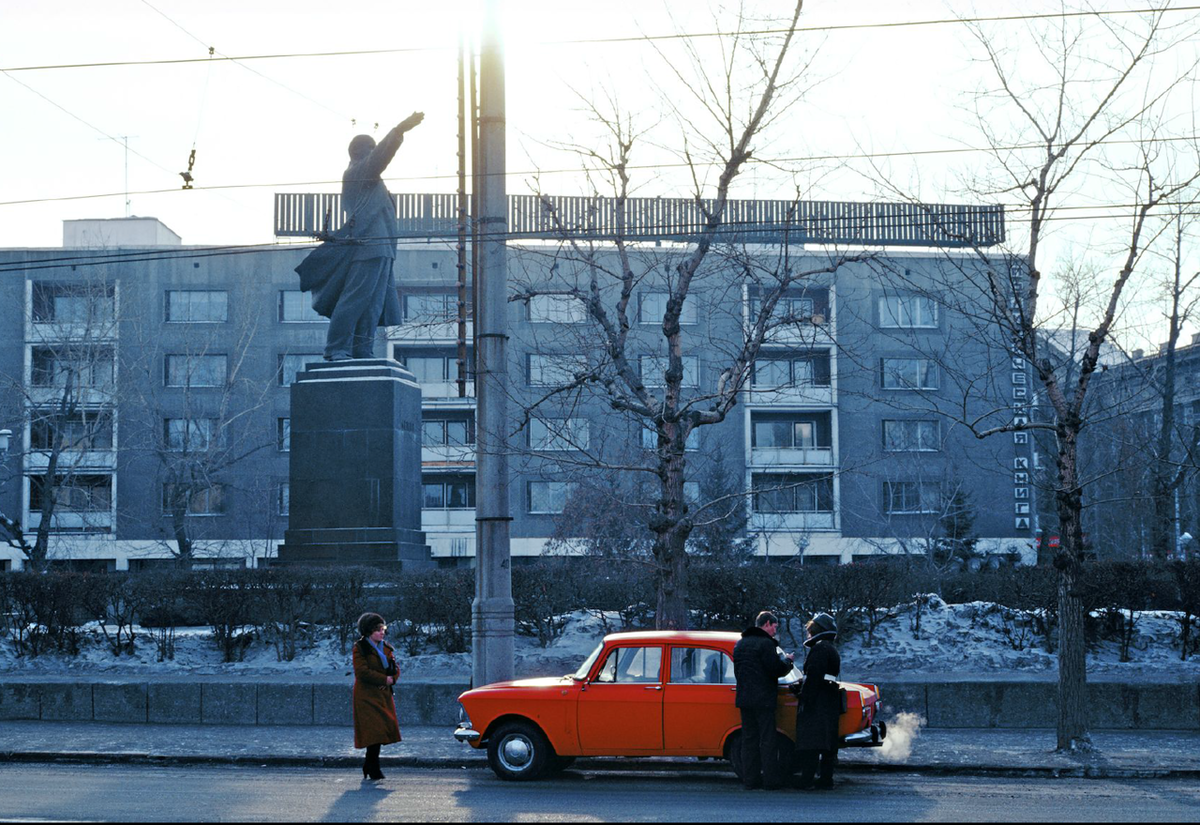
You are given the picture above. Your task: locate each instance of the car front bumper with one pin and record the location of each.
(467, 734)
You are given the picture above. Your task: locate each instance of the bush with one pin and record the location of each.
(1187, 601)
(116, 602)
(438, 602)
(288, 601)
(228, 602)
(44, 611)
(543, 594)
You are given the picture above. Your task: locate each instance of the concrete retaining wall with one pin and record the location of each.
(958, 704)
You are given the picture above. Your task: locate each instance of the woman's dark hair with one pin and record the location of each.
(368, 623)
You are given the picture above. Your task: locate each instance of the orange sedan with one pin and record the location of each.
(651, 693)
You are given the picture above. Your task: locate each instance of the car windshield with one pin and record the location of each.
(582, 673)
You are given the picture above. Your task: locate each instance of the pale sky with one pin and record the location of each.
(267, 125)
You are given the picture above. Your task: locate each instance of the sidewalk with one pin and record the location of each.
(994, 752)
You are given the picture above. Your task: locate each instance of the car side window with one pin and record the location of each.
(631, 665)
(701, 666)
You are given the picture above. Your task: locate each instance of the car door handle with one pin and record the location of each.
(654, 687)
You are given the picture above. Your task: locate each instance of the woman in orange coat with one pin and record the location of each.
(375, 672)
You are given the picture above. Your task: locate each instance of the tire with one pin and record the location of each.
(519, 752)
(786, 754)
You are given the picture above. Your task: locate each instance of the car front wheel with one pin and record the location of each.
(518, 751)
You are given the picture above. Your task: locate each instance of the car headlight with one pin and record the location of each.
(464, 721)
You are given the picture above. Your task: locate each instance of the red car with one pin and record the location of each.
(652, 693)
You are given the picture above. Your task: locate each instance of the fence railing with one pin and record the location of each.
(673, 219)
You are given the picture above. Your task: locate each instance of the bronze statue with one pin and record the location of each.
(351, 275)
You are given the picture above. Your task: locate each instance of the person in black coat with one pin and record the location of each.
(757, 666)
(820, 705)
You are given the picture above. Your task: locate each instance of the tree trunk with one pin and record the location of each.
(1072, 650)
(183, 555)
(671, 530)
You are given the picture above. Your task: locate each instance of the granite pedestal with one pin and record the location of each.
(355, 467)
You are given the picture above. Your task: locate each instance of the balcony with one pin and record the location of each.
(792, 522)
(443, 547)
(74, 521)
(444, 520)
(445, 389)
(800, 395)
(793, 457)
(72, 461)
(448, 455)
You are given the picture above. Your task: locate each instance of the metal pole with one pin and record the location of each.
(462, 215)
(492, 610)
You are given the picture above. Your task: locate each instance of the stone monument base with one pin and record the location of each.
(355, 467)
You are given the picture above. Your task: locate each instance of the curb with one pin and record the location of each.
(601, 765)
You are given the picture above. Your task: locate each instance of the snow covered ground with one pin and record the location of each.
(974, 638)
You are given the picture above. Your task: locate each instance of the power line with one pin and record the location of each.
(214, 53)
(631, 167)
(91, 126)
(109, 258)
(607, 40)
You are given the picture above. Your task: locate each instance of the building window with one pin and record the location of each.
(295, 307)
(283, 434)
(553, 434)
(72, 303)
(790, 493)
(783, 434)
(773, 371)
(654, 368)
(74, 367)
(447, 432)
(791, 309)
(196, 370)
(81, 431)
(431, 307)
(554, 370)
(555, 309)
(652, 307)
(911, 436)
(911, 497)
(191, 435)
(197, 306)
(291, 365)
(547, 497)
(284, 498)
(448, 493)
(650, 439)
(432, 369)
(907, 312)
(73, 494)
(207, 501)
(908, 374)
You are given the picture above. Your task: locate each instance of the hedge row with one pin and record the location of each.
(432, 610)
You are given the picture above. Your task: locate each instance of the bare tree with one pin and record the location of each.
(662, 385)
(66, 402)
(199, 412)
(1091, 105)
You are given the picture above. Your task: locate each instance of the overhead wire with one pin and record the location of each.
(631, 39)
(631, 167)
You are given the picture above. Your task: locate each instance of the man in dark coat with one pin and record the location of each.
(757, 666)
(352, 281)
(820, 705)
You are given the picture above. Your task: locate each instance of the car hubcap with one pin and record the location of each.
(515, 752)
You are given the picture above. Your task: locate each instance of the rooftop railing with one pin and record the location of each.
(673, 219)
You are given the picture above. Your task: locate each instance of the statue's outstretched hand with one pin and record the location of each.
(412, 120)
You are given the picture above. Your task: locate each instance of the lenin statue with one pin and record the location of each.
(350, 275)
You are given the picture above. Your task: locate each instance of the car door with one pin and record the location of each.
(698, 701)
(621, 707)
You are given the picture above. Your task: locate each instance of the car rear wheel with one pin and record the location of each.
(518, 751)
(785, 754)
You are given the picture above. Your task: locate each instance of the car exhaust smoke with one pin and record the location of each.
(901, 732)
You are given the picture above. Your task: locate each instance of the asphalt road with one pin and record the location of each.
(225, 794)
